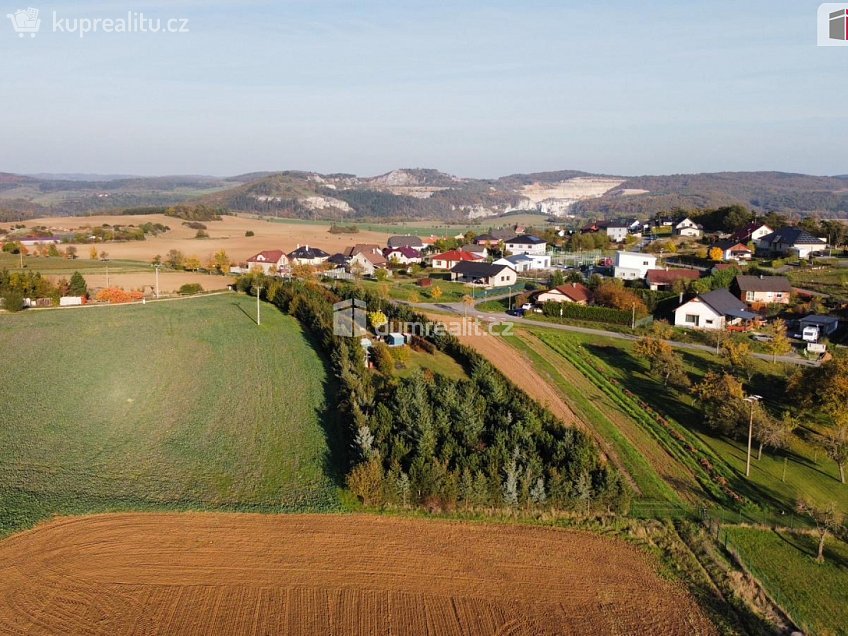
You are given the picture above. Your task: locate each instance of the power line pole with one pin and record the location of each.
(258, 293)
(751, 399)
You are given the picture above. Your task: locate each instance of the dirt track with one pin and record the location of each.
(322, 574)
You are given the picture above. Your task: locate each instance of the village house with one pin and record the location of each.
(526, 244)
(414, 242)
(476, 249)
(791, 241)
(751, 232)
(761, 291)
(664, 279)
(633, 265)
(733, 250)
(715, 310)
(367, 263)
(484, 274)
(269, 262)
(569, 293)
(371, 248)
(448, 259)
(305, 255)
(402, 255)
(687, 227)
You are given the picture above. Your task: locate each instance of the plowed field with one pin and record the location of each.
(310, 574)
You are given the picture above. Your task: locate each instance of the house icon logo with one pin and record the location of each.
(832, 23)
(350, 318)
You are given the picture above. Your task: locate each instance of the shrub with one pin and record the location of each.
(13, 300)
(190, 289)
(592, 314)
(249, 233)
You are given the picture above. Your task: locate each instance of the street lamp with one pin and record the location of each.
(751, 399)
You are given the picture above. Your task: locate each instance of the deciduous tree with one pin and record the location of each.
(828, 521)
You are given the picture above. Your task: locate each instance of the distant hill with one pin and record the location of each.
(425, 193)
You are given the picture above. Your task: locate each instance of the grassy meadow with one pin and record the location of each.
(814, 594)
(184, 404)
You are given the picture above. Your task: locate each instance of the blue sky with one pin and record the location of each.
(472, 88)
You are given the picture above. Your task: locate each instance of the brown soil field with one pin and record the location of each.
(322, 574)
(226, 234)
(169, 282)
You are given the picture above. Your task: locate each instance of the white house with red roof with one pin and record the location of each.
(568, 293)
(447, 260)
(270, 262)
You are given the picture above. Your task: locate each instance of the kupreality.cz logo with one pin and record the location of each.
(27, 22)
(832, 24)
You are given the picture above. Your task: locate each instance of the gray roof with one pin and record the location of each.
(728, 243)
(763, 284)
(308, 253)
(478, 270)
(525, 239)
(792, 236)
(726, 304)
(819, 320)
(405, 241)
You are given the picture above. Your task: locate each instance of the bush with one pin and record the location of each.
(249, 233)
(13, 300)
(592, 314)
(201, 234)
(190, 289)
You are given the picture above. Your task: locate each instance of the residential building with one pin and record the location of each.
(688, 227)
(617, 231)
(733, 250)
(526, 244)
(447, 260)
(372, 248)
(339, 260)
(476, 249)
(484, 274)
(760, 291)
(519, 262)
(402, 255)
(633, 265)
(569, 293)
(664, 279)
(305, 255)
(269, 262)
(367, 263)
(751, 232)
(414, 242)
(715, 310)
(791, 241)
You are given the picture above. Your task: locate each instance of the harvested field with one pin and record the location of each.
(311, 574)
(226, 234)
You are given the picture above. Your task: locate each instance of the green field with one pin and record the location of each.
(58, 266)
(815, 595)
(184, 404)
(809, 474)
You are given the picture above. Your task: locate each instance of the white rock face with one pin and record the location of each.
(322, 203)
(558, 198)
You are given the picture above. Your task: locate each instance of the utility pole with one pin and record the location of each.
(156, 267)
(751, 399)
(258, 294)
(107, 275)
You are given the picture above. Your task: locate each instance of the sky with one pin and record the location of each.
(477, 89)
